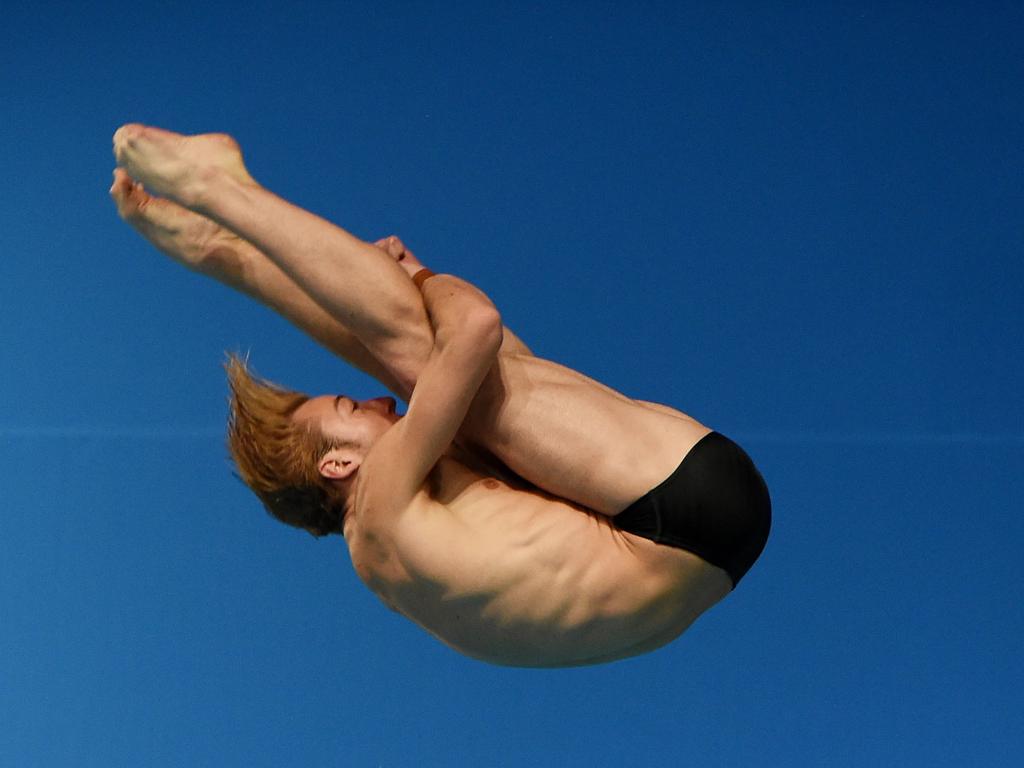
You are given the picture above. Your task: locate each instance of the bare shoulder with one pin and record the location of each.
(389, 536)
(385, 490)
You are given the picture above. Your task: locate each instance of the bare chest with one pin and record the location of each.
(518, 577)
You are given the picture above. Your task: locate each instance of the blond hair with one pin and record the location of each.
(276, 456)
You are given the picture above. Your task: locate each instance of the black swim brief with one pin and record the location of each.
(715, 505)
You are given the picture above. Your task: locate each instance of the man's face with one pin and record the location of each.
(346, 420)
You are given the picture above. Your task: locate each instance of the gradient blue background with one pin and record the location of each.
(802, 223)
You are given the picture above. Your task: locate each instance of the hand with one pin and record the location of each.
(396, 249)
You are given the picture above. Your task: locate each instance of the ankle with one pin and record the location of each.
(210, 187)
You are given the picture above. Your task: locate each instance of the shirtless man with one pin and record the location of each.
(630, 520)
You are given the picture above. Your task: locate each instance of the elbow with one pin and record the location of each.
(487, 330)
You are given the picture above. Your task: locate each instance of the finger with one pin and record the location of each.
(400, 251)
(385, 245)
(393, 246)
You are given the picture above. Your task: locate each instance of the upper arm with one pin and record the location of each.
(440, 400)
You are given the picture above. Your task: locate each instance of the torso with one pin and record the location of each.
(508, 574)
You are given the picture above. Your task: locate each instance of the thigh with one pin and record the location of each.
(575, 437)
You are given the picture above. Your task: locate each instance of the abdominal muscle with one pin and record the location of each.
(520, 578)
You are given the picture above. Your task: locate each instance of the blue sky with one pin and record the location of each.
(801, 223)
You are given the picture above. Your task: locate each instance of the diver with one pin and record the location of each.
(519, 511)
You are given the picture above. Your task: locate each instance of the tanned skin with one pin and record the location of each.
(523, 568)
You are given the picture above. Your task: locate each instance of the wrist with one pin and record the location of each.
(422, 276)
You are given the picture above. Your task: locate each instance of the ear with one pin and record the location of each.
(339, 463)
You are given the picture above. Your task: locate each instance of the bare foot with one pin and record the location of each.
(190, 239)
(178, 167)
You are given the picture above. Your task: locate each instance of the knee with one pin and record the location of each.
(404, 355)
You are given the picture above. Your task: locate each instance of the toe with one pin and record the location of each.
(122, 181)
(126, 132)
